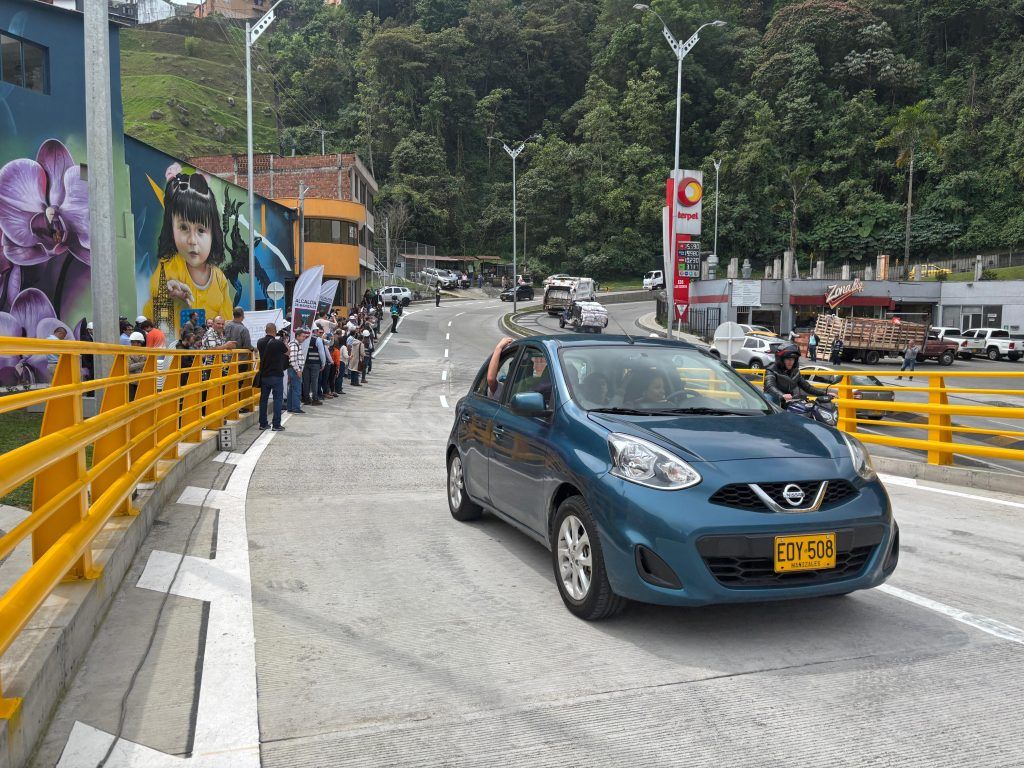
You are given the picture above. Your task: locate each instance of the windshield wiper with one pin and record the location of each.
(621, 411)
(700, 412)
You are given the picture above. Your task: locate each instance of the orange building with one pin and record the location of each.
(233, 9)
(337, 210)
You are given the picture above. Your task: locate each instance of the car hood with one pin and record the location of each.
(728, 438)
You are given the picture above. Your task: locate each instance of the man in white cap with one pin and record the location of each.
(139, 321)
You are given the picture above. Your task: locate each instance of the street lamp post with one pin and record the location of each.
(680, 50)
(251, 36)
(514, 153)
(718, 164)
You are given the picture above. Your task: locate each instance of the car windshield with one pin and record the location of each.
(653, 379)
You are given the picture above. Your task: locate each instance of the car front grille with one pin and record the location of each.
(742, 495)
(746, 561)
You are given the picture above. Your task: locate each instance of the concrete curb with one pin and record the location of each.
(980, 479)
(648, 323)
(512, 328)
(44, 659)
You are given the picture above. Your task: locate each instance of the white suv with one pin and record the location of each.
(389, 293)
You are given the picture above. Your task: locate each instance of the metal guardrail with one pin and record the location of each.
(938, 443)
(74, 495)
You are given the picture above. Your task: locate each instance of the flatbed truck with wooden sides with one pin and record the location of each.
(869, 340)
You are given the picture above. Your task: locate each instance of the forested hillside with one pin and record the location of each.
(815, 108)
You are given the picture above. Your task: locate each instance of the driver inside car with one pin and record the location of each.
(646, 389)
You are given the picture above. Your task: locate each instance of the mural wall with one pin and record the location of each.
(191, 240)
(44, 201)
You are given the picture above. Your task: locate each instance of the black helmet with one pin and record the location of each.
(787, 350)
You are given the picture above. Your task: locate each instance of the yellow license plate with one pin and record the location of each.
(805, 553)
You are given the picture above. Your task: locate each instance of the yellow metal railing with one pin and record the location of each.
(936, 421)
(142, 418)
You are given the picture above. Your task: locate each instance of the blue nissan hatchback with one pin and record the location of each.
(653, 472)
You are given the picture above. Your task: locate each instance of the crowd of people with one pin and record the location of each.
(315, 363)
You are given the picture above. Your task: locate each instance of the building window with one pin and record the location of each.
(23, 63)
(331, 231)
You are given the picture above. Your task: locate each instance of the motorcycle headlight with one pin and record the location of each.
(860, 457)
(644, 463)
(829, 417)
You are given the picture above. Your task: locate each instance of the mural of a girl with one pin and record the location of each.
(190, 247)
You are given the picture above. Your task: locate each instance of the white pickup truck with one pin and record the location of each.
(993, 343)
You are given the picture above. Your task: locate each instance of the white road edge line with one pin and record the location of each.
(227, 717)
(910, 482)
(990, 626)
(449, 323)
(444, 401)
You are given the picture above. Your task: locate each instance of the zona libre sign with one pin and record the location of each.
(837, 294)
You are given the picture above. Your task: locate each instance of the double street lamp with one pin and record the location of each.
(680, 50)
(514, 153)
(251, 36)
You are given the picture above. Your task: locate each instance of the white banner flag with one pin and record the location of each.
(257, 322)
(327, 293)
(305, 298)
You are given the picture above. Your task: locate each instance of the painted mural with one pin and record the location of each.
(191, 240)
(44, 253)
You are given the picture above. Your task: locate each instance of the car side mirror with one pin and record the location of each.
(529, 404)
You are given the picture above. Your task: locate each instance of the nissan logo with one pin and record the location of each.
(794, 494)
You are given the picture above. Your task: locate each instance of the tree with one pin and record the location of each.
(910, 130)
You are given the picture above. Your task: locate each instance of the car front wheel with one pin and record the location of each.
(461, 507)
(579, 564)
(946, 358)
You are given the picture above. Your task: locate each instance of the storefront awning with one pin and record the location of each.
(818, 300)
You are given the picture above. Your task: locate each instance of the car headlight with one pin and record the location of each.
(646, 464)
(860, 457)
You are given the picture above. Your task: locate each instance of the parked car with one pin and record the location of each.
(388, 293)
(824, 376)
(928, 270)
(523, 293)
(757, 352)
(654, 280)
(942, 331)
(761, 330)
(943, 350)
(993, 343)
(647, 484)
(432, 276)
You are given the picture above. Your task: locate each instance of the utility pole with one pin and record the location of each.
(323, 135)
(100, 177)
(718, 164)
(387, 243)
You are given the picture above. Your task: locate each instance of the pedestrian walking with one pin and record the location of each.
(295, 368)
(394, 317)
(437, 295)
(273, 362)
(836, 356)
(367, 342)
(910, 358)
(812, 347)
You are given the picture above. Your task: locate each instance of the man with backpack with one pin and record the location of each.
(394, 316)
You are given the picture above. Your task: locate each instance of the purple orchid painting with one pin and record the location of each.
(44, 252)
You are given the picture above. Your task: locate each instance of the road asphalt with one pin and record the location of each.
(388, 634)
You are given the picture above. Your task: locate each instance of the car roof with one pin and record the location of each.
(562, 341)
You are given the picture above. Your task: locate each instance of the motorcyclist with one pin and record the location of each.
(783, 378)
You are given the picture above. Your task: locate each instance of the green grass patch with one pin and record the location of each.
(17, 429)
(1003, 273)
(621, 285)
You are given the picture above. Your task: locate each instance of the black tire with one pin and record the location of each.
(465, 510)
(599, 602)
(946, 358)
(871, 357)
(921, 358)
(1013, 357)
(755, 365)
(992, 353)
(405, 301)
(966, 355)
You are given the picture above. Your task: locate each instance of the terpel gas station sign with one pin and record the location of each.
(684, 195)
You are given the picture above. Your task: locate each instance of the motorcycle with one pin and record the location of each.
(822, 409)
